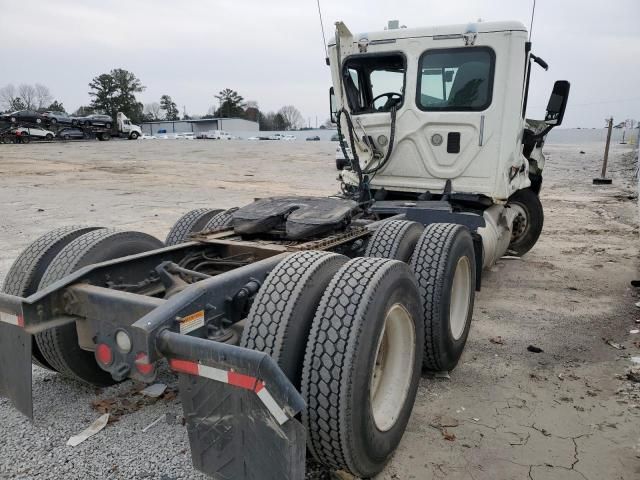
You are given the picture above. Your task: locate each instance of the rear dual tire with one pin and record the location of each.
(59, 346)
(27, 270)
(189, 223)
(445, 268)
(326, 320)
(356, 412)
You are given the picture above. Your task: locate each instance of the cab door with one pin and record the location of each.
(454, 119)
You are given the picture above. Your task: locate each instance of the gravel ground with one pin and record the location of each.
(566, 413)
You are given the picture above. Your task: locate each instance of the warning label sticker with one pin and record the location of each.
(191, 322)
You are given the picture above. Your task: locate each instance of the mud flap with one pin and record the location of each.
(15, 366)
(240, 410)
(234, 436)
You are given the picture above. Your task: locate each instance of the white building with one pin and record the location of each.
(235, 126)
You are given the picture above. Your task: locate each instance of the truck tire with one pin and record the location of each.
(59, 345)
(24, 139)
(394, 239)
(133, 136)
(26, 272)
(445, 268)
(528, 222)
(190, 222)
(281, 315)
(221, 220)
(362, 365)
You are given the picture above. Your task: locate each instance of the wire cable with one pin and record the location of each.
(533, 12)
(324, 40)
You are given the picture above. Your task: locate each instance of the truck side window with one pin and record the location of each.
(374, 82)
(458, 79)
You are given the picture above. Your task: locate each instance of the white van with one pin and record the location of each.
(217, 135)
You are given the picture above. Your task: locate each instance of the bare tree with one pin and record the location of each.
(8, 97)
(152, 110)
(28, 95)
(291, 116)
(43, 96)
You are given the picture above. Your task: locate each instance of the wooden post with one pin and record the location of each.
(603, 180)
(606, 149)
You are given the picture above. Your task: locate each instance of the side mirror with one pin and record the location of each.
(557, 103)
(333, 108)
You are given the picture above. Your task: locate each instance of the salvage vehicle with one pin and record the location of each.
(35, 132)
(71, 134)
(23, 116)
(303, 323)
(96, 119)
(52, 118)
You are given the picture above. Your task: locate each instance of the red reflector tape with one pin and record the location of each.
(232, 378)
(184, 366)
(242, 381)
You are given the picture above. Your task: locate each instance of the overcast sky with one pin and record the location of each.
(271, 51)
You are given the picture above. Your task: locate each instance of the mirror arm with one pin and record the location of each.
(539, 61)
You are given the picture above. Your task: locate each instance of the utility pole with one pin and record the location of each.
(603, 180)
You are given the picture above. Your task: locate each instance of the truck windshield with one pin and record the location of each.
(456, 79)
(374, 82)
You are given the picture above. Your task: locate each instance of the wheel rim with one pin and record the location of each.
(460, 293)
(393, 369)
(520, 222)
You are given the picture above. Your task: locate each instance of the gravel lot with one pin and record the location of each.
(505, 413)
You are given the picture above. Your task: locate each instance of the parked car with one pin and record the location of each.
(71, 134)
(144, 136)
(217, 135)
(315, 138)
(24, 116)
(185, 136)
(96, 120)
(254, 138)
(276, 136)
(335, 137)
(36, 132)
(289, 138)
(61, 118)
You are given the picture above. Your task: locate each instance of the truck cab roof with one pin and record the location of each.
(438, 31)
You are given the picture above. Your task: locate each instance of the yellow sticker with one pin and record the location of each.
(191, 322)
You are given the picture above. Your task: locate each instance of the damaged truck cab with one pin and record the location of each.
(302, 324)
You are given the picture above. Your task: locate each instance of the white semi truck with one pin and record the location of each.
(123, 128)
(303, 324)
